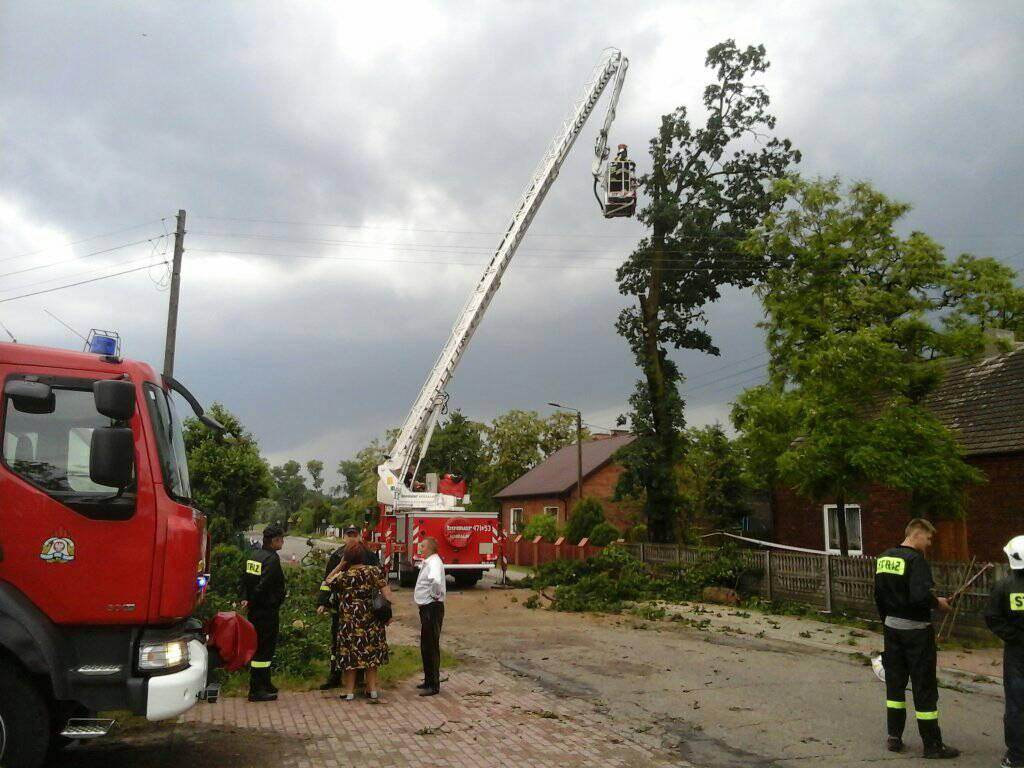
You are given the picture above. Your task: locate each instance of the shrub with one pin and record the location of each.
(637, 534)
(541, 525)
(587, 514)
(604, 534)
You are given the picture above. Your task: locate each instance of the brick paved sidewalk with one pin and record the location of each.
(484, 716)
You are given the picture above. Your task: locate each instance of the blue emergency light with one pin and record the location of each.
(103, 343)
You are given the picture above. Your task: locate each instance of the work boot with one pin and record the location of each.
(423, 686)
(333, 681)
(1009, 762)
(894, 744)
(269, 685)
(940, 752)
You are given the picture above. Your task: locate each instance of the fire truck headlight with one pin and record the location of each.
(164, 657)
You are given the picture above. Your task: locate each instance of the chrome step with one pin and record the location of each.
(87, 728)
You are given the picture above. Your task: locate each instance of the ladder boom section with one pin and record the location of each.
(394, 470)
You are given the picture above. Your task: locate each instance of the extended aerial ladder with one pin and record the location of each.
(397, 472)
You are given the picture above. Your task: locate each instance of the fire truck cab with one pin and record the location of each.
(103, 557)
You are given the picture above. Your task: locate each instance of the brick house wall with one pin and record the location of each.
(599, 485)
(995, 513)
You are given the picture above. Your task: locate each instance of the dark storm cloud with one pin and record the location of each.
(417, 126)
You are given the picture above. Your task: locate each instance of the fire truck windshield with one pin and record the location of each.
(170, 443)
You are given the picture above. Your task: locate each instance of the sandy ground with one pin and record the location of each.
(719, 698)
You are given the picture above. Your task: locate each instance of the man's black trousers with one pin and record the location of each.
(267, 625)
(431, 619)
(1013, 717)
(910, 655)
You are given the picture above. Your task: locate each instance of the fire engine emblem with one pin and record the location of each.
(457, 532)
(59, 548)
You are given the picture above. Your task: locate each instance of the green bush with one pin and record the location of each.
(587, 514)
(604, 534)
(541, 525)
(637, 534)
(614, 577)
(305, 636)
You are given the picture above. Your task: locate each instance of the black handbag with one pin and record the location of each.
(381, 607)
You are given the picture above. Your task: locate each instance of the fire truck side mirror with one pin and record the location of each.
(31, 396)
(115, 398)
(112, 456)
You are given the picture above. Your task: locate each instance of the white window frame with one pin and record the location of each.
(553, 511)
(860, 529)
(516, 527)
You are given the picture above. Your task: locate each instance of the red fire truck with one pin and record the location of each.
(102, 555)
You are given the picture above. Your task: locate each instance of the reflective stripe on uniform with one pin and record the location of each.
(895, 704)
(324, 588)
(927, 715)
(259, 664)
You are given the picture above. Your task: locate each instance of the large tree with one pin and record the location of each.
(289, 489)
(457, 447)
(227, 472)
(852, 336)
(713, 489)
(708, 186)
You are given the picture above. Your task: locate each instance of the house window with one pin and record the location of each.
(853, 529)
(515, 521)
(553, 511)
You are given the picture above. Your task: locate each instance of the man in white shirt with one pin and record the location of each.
(429, 596)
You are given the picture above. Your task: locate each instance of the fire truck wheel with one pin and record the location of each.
(406, 577)
(24, 720)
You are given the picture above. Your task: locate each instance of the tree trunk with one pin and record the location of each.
(661, 491)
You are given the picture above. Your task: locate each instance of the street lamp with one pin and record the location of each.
(579, 449)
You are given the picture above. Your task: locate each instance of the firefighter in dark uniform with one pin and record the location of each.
(328, 600)
(904, 596)
(1005, 616)
(264, 591)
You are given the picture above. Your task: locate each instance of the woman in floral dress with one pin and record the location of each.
(362, 641)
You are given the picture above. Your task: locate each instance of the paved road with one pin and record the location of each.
(294, 546)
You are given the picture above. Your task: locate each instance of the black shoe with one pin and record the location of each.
(1008, 763)
(423, 686)
(332, 682)
(894, 744)
(430, 692)
(257, 696)
(940, 752)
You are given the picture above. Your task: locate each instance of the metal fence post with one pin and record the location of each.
(828, 583)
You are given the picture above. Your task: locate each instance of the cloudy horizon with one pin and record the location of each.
(346, 173)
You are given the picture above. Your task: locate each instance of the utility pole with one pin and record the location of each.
(579, 456)
(172, 304)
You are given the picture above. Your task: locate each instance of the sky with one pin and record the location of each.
(347, 169)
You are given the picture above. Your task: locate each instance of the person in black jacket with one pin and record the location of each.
(328, 600)
(904, 597)
(264, 592)
(1004, 615)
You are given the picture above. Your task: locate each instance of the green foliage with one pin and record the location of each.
(712, 487)
(708, 186)
(852, 340)
(360, 475)
(315, 467)
(457, 447)
(541, 525)
(637, 534)
(604, 534)
(305, 637)
(606, 582)
(228, 475)
(289, 489)
(585, 515)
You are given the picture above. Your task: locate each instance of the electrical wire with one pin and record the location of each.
(93, 271)
(79, 258)
(83, 240)
(73, 285)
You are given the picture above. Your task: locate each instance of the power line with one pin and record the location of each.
(92, 271)
(83, 256)
(705, 374)
(83, 240)
(73, 285)
(726, 378)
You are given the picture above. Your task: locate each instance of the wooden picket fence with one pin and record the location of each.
(823, 582)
